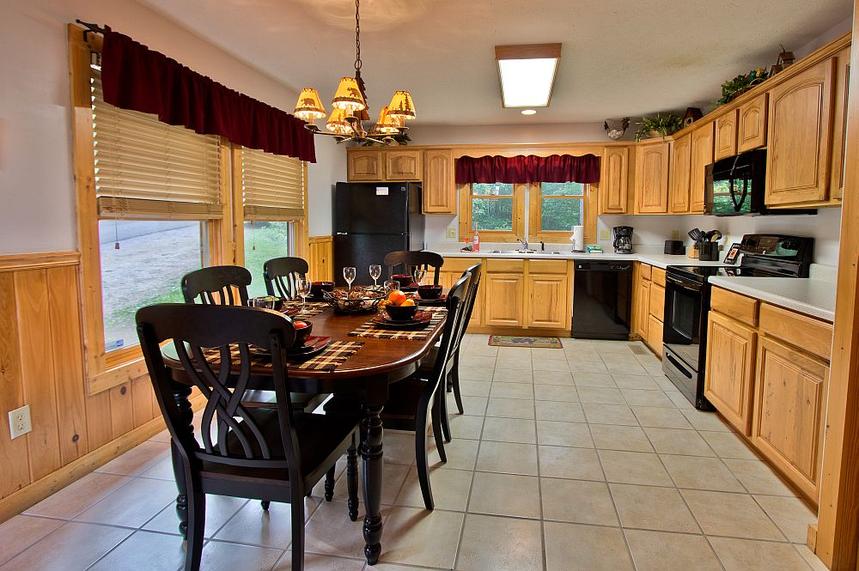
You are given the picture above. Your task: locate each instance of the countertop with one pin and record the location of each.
(804, 295)
(658, 260)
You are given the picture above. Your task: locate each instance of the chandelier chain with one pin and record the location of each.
(358, 62)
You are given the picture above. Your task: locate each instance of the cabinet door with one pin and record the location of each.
(504, 299)
(799, 137)
(788, 412)
(548, 296)
(654, 334)
(726, 135)
(643, 305)
(839, 135)
(403, 165)
(614, 181)
(439, 191)
(730, 369)
(651, 178)
(702, 155)
(681, 154)
(364, 164)
(752, 124)
(656, 307)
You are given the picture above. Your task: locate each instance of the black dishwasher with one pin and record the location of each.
(602, 300)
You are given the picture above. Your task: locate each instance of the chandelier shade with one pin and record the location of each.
(348, 96)
(402, 105)
(309, 107)
(388, 124)
(337, 123)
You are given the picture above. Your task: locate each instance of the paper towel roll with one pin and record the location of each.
(578, 238)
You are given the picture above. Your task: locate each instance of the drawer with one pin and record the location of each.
(657, 301)
(547, 266)
(460, 264)
(644, 270)
(806, 333)
(507, 266)
(735, 306)
(658, 276)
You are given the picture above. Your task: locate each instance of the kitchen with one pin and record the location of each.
(628, 305)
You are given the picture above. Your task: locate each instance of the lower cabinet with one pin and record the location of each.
(642, 306)
(505, 297)
(730, 369)
(655, 316)
(654, 334)
(788, 423)
(547, 303)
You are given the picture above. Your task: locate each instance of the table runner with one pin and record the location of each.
(370, 329)
(337, 353)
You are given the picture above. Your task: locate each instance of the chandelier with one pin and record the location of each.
(350, 110)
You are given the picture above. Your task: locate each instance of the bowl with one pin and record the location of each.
(401, 312)
(316, 288)
(358, 300)
(407, 282)
(429, 291)
(301, 333)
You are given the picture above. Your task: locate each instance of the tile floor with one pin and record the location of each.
(581, 458)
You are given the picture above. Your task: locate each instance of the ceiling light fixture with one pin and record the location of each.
(350, 109)
(529, 112)
(527, 73)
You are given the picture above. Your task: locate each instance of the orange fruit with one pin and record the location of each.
(396, 297)
(408, 303)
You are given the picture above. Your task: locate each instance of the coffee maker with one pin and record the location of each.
(622, 239)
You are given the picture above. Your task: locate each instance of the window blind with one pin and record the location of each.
(272, 186)
(147, 169)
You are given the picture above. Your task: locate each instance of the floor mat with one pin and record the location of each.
(530, 342)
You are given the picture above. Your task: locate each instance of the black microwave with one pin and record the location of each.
(735, 187)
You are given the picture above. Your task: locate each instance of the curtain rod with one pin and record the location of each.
(92, 28)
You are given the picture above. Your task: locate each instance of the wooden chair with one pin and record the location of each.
(416, 401)
(216, 285)
(281, 275)
(410, 260)
(269, 454)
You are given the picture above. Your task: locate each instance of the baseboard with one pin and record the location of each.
(493, 330)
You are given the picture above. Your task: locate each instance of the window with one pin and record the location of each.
(264, 241)
(556, 207)
(494, 209)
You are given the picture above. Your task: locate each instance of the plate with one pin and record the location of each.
(313, 346)
(437, 302)
(421, 320)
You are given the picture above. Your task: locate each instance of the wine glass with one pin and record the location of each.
(418, 273)
(303, 286)
(391, 285)
(375, 273)
(349, 275)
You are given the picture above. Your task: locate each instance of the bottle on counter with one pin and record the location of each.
(475, 241)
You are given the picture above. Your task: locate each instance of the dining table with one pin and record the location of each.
(364, 376)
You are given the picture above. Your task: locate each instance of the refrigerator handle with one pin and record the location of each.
(342, 233)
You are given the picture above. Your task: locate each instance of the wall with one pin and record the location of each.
(501, 134)
(330, 168)
(36, 184)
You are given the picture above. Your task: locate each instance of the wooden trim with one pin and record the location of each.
(38, 260)
(528, 51)
(465, 220)
(838, 518)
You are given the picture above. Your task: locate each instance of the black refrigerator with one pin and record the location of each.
(372, 219)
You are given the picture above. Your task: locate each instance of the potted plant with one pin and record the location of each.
(659, 125)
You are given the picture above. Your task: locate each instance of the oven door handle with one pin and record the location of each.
(681, 284)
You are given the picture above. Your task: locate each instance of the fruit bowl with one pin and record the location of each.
(429, 291)
(302, 332)
(358, 300)
(401, 312)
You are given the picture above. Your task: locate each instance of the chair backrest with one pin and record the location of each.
(213, 344)
(214, 285)
(281, 276)
(453, 326)
(409, 260)
(470, 298)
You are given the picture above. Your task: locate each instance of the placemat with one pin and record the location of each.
(332, 357)
(370, 329)
(295, 309)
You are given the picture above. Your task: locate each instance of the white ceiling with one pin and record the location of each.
(619, 57)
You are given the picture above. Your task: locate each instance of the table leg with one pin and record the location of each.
(371, 452)
(180, 396)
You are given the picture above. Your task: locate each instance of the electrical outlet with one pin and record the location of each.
(451, 233)
(19, 421)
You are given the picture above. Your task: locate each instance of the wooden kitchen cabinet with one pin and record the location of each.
(405, 165)
(799, 137)
(614, 181)
(640, 300)
(548, 299)
(702, 155)
(730, 369)
(726, 135)
(651, 177)
(505, 295)
(681, 157)
(654, 334)
(752, 124)
(788, 415)
(839, 134)
(439, 190)
(364, 165)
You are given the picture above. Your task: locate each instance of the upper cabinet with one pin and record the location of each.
(403, 165)
(365, 164)
(681, 156)
(726, 135)
(752, 124)
(439, 190)
(800, 136)
(839, 135)
(614, 181)
(702, 155)
(651, 178)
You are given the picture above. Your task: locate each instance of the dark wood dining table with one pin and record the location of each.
(365, 376)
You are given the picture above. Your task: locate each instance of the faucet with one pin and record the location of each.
(524, 243)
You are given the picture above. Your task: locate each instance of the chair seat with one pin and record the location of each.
(320, 437)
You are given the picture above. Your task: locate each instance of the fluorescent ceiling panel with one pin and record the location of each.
(527, 82)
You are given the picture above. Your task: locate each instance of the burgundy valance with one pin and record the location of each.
(135, 77)
(524, 169)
